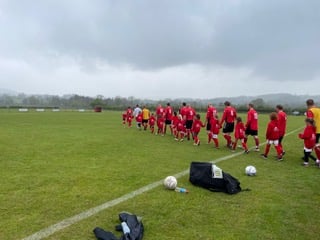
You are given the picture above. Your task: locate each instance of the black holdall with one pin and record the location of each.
(209, 176)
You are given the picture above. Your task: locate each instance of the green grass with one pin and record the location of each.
(54, 165)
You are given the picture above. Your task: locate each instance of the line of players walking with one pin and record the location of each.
(186, 124)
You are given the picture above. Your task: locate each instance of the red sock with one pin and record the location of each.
(244, 145)
(216, 142)
(209, 137)
(279, 150)
(266, 152)
(257, 142)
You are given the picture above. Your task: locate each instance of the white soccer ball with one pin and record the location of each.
(251, 171)
(170, 182)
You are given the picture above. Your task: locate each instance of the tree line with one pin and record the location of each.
(121, 103)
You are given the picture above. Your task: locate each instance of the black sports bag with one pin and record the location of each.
(201, 174)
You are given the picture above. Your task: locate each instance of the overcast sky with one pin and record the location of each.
(160, 49)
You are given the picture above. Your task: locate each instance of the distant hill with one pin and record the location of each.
(270, 99)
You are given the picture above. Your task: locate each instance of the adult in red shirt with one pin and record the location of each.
(211, 113)
(190, 114)
(272, 136)
(227, 121)
(282, 124)
(183, 110)
(252, 125)
(168, 118)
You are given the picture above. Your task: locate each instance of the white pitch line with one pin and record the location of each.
(92, 211)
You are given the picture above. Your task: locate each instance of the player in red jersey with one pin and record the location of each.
(313, 112)
(214, 130)
(183, 110)
(196, 127)
(309, 138)
(152, 121)
(139, 119)
(124, 118)
(239, 134)
(190, 113)
(282, 121)
(211, 112)
(129, 116)
(160, 113)
(181, 129)
(174, 124)
(227, 121)
(272, 136)
(168, 118)
(252, 125)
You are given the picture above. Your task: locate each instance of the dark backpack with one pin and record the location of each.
(201, 175)
(136, 229)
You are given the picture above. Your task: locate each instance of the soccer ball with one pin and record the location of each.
(170, 182)
(251, 171)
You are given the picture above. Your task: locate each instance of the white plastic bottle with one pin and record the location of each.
(125, 228)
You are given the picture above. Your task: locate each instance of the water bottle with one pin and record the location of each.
(181, 190)
(125, 228)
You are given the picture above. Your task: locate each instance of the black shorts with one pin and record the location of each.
(208, 126)
(168, 122)
(145, 120)
(251, 132)
(228, 127)
(189, 124)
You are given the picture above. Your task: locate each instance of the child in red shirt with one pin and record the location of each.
(152, 121)
(196, 127)
(181, 129)
(214, 130)
(239, 134)
(174, 123)
(272, 136)
(124, 118)
(309, 138)
(139, 120)
(129, 116)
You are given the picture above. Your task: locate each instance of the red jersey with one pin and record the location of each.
(272, 132)
(181, 125)
(124, 116)
(160, 112)
(168, 113)
(197, 125)
(152, 121)
(309, 136)
(282, 122)
(229, 115)
(175, 121)
(129, 113)
(183, 111)
(252, 119)
(215, 127)
(239, 131)
(190, 113)
(139, 118)
(211, 113)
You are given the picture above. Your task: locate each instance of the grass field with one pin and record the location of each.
(55, 165)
